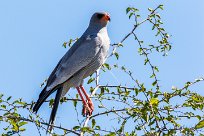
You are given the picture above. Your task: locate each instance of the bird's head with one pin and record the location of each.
(100, 18)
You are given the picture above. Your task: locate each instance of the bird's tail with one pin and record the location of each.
(54, 109)
(42, 97)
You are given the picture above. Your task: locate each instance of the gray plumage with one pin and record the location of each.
(87, 54)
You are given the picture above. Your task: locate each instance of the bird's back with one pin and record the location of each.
(84, 58)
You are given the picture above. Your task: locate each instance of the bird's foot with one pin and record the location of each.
(86, 111)
(91, 106)
(88, 108)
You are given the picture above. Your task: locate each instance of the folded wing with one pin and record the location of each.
(71, 64)
(78, 57)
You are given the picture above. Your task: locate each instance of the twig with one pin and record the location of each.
(44, 123)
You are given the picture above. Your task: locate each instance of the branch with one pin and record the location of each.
(44, 123)
(106, 112)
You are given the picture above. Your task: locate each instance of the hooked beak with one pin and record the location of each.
(106, 17)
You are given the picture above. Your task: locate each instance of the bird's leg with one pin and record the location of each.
(90, 103)
(84, 103)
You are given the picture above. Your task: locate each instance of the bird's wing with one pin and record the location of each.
(78, 56)
(71, 63)
(67, 55)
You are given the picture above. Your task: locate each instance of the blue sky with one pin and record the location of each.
(32, 34)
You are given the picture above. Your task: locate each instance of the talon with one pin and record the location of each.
(91, 106)
(86, 110)
(88, 104)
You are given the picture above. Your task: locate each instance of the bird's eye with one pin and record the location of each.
(99, 16)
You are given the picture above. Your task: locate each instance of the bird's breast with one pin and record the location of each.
(100, 57)
(105, 41)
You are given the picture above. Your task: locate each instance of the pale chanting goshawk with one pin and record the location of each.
(86, 55)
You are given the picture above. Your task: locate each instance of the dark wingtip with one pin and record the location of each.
(36, 108)
(54, 109)
(40, 100)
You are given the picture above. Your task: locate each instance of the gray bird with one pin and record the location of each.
(87, 55)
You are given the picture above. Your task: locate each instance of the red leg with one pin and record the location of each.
(84, 102)
(90, 103)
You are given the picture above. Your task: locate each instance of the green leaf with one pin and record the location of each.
(100, 106)
(137, 16)
(153, 75)
(136, 91)
(93, 123)
(76, 127)
(64, 44)
(199, 117)
(120, 45)
(145, 61)
(22, 123)
(38, 123)
(134, 9)
(131, 15)
(119, 90)
(150, 9)
(161, 7)
(70, 42)
(75, 103)
(123, 68)
(22, 129)
(116, 55)
(51, 102)
(111, 134)
(8, 98)
(154, 101)
(107, 66)
(154, 83)
(200, 125)
(153, 27)
(3, 106)
(90, 80)
(98, 127)
(157, 15)
(156, 68)
(14, 125)
(19, 102)
(128, 10)
(86, 129)
(145, 117)
(102, 90)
